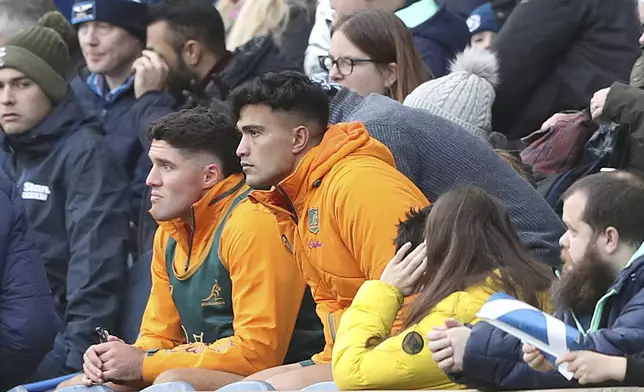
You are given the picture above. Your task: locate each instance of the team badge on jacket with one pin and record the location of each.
(314, 220)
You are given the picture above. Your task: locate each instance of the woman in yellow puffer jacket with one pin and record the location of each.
(472, 251)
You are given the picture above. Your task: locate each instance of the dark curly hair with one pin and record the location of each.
(287, 92)
(201, 130)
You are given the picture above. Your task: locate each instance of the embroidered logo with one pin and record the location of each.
(31, 191)
(287, 244)
(214, 299)
(314, 220)
(3, 53)
(313, 244)
(474, 22)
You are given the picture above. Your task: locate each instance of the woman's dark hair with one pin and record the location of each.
(470, 239)
(385, 39)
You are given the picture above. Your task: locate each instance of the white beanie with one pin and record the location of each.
(464, 96)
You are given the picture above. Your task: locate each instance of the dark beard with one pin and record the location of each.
(180, 80)
(582, 285)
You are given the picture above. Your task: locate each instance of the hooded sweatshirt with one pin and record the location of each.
(338, 212)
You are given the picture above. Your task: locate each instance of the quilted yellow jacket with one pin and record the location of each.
(396, 363)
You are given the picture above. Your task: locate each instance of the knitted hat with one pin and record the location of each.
(41, 54)
(464, 96)
(482, 19)
(127, 14)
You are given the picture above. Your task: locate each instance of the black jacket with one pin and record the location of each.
(75, 194)
(27, 317)
(555, 54)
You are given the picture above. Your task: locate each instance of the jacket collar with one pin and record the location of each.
(206, 212)
(62, 120)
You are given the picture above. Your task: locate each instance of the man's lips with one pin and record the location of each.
(10, 117)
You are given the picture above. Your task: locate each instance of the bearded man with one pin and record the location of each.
(600, 293)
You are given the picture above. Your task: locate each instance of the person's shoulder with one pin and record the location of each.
(248, 215)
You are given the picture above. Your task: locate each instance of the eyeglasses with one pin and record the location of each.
(344, 65)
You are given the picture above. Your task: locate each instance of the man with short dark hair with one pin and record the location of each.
(334, 191)
(601, 293)
(225, 292)
(190, 37)
(74, 191)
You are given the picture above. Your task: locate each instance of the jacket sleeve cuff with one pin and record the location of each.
(376, 296)
(151, 365)
(612, 105)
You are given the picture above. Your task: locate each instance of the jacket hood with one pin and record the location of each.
(64, 119)
(446, 29)
(339, 141)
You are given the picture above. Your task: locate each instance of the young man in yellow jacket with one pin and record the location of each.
(225, 292)
(335, 193)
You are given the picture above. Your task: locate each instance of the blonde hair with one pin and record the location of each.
(258, 18)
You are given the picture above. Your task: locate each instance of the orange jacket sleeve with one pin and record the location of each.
(368, 209)
(267, 291)
(161, 324)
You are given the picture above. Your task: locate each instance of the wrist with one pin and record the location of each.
(618, 368)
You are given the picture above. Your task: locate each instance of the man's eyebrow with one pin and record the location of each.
(251, 127)
(16, 80)
(163, 161)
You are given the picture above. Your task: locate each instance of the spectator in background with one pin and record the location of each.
(465, 96)
(600, 293)
(16, 16)
(74, 191)
(483, 27)
(112, 35)
(27, 314)
(372, 52)
(437, 34)
(319, 41)
(190, 37)
(554, 55)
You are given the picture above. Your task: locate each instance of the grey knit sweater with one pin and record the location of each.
(437, 155)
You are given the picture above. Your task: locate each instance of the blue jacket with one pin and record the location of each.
(124, 140)
(439, 39)
(75, 196)
(493, 359)
(27, 316)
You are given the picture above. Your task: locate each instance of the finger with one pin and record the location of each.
(453, 323)
(415, 259)
(436, 335)
(400, 255)
(86, 381)
(91, 358)
(527, 348)
(440, 329)
(417, 272)
(442, 355)
(144, 63)
(155, 60)
(447, 364)
(112, 338)
(136, 64)
(93, 374)
(438, 345)
(567, 357)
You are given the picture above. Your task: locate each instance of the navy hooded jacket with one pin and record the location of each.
(27, 316)
(75, 196)
(494, 361)
(439, 39)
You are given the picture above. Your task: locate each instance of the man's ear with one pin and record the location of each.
(301, 136)
(213, 173)
(612, 240)
(192, 52)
